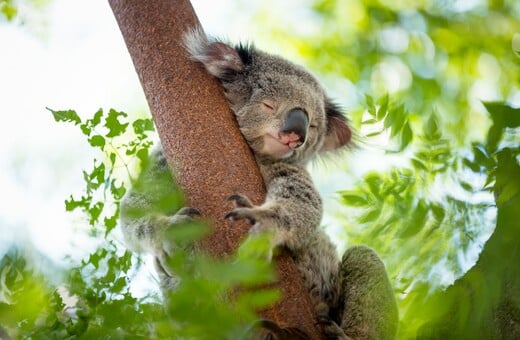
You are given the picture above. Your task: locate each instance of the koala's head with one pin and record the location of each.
(281, 109)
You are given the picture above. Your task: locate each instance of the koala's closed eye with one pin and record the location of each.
(268, 106)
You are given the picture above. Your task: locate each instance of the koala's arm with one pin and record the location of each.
(292, 209)
(149, 207)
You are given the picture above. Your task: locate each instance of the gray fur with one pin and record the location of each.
(353, 297)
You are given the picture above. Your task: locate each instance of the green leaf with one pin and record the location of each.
(374, 182)
(72, 204)
(96, 257)
(94, 211)
(187, 232)
(398, 120)
(438, 211)
(97, 141)
(85, 129)
(494, 134)
(96, 119)
(260, 298)
(95, 178)
(406, 135)
(371, 105)
(110, 223)
(503, 114)
(383, 107)
(119, 284)
(418, 164)
(117, 191)
(142, 154)
(112, 122)
(417, 220)
(112, 158)
(431, 128)
(372, 134)
(142, 125)
(466, 186)
(353, 199)
(481, 156)
(370, 216)
(66, 116)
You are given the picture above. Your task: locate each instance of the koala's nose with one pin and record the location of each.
(297, 122)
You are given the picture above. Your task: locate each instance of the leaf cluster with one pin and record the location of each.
(106, 132)
(215, 298)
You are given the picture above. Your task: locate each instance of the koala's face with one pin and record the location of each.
(281, 109)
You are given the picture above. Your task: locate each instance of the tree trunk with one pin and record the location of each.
(200, 137)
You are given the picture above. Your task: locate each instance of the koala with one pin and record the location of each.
(287, 120)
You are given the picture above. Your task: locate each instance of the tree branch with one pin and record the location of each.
(200, 137)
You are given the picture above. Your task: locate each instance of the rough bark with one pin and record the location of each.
(200, 137)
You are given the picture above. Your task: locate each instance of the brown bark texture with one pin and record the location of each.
(200, 137)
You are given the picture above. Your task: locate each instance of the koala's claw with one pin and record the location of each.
(324, 320)
(244, 209)
(189, 211)
(330, 328)
(241, 214)
(240, 201)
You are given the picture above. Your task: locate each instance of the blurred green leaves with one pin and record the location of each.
(215, 298)
(425, 216)
(393, 117)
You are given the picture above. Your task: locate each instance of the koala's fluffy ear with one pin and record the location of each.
(338, 131)
(221, 60)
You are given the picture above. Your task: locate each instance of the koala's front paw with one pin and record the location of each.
(331, 329)
(263, 224)
(259, 217)
(240, 201)
(167, 245)
(186, 214)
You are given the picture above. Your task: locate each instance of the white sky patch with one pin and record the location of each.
(394, 39)
(390, 76)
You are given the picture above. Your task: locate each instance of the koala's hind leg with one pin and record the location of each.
(370, 307)
(168, 281)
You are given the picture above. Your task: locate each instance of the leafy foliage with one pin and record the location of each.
(214, 299)
(421, 77)
(101, 182)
